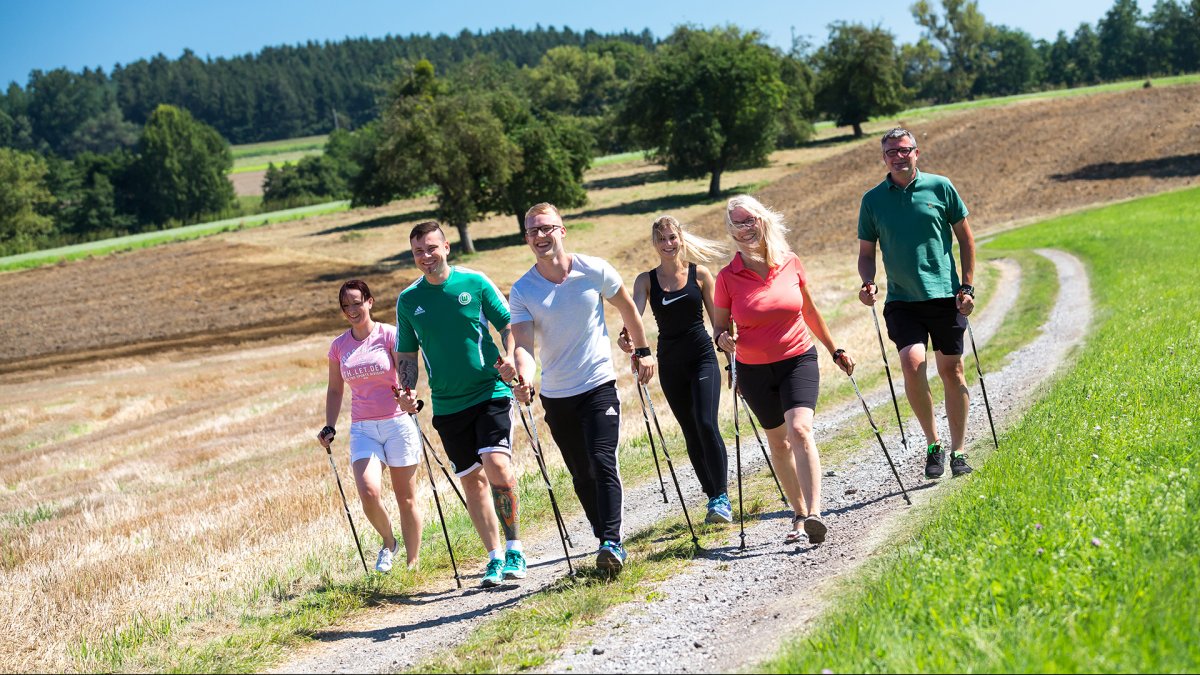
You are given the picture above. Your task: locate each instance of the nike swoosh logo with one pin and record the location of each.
(667, 302)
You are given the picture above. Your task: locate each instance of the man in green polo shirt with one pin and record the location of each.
(445, 314)
(915, 218)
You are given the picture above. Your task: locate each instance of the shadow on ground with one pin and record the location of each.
(1177, 166)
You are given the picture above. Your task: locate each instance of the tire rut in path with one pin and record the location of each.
(418, 626)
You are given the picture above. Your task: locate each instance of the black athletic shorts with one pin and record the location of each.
(938, 320)
(483, 427)
(774, 388)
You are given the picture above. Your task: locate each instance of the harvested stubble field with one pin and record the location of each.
(158, 406)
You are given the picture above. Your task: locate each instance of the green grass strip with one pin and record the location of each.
(147, 239)
(1074, 548)
(301, 144)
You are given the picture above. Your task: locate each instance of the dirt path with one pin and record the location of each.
(732, 609)
(395, 638)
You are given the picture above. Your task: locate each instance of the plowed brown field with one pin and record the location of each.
(1011, 164)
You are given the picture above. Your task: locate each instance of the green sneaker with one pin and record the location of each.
(494, 574)
(514, 565)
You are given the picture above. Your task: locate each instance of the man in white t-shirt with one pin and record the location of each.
(559, 304)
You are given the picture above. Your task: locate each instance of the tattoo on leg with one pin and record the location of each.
(505, 500)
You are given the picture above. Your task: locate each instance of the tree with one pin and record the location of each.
(1122, 41)
(454, 142)
(1057, 62)
(1013, 64)
(1085, 54)
(554, 154)
(858, 75)
(709, 101)
(1165, 39)
(961, 33)
(23, 200)
(799, 107)
(180, 168)
(313, 178)
(921, 65)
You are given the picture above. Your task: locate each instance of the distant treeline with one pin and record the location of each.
(492, 121)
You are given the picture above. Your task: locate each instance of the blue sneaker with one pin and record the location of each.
(494, 574)
(610, 558)
(514, 565)
(719, 510)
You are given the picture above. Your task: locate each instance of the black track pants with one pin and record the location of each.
(693, 390)
(586, 428)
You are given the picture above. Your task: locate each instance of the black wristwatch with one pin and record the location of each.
(867, 283)
(329, 431)
(837, 354)
(967, 289)
(641, 352)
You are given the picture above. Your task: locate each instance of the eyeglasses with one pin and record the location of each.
(902, 152)
(745, 224)
(545, 231)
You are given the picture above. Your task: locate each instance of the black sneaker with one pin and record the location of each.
(958, 464)
(935, 461)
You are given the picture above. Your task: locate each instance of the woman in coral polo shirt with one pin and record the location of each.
(765, 317)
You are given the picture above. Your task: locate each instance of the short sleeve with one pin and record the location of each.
(721, 296)
(801, 274)
(334, 353)
(867, 229)
(406, 335)
(495, 307)
(956, 210)
(610, 279)
(517, 310)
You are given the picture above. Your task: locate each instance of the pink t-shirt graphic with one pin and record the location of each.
(368, 368)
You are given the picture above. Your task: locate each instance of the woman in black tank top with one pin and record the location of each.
(679, 292)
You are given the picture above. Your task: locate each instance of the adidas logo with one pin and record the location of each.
(418, 311)
(610, 411)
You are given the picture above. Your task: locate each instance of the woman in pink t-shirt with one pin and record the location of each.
(764, 292)
(364, 357)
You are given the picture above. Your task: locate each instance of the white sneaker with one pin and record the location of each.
(383, 563)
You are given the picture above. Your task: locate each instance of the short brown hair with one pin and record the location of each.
(355, 285)
(539, 209)
(422, 229)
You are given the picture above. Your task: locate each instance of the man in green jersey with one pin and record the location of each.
(915, 217)
(445, 314)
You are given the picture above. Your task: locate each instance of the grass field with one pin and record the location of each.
(1083, 558)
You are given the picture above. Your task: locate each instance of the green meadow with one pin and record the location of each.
(1074, 548)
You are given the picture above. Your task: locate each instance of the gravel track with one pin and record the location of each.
(729, 608)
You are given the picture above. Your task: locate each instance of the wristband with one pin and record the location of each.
(867, 283)
(838, 354)
(641, 352)
(329, 431)
(967, 289)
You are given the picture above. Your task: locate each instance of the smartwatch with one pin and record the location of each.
(641, 352)
(967, 289)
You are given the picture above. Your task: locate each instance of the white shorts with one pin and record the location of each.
(394, 441)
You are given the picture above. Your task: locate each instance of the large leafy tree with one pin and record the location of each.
(961, 31)
(859, 75)
(709, 101)
(554, 154)
(1014, 65)
(1122, 41)
(23, 199)
(456, 143)
(180, 169)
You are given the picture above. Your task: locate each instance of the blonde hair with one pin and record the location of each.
(774, 231)
(539, 209)
(692, 248)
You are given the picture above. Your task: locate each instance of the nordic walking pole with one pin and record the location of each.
(536, 445)
(644, 396)
(345, 505)
(437, 500)
(737, 444)
(887, 369)
(879, 438)
(763, 447)
(982, 385)
(662, 485)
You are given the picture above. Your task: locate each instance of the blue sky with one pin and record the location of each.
(47, 34)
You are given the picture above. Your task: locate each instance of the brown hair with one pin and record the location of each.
(422, 229)
(355, 285)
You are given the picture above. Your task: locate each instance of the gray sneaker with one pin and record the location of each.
(383, 564)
